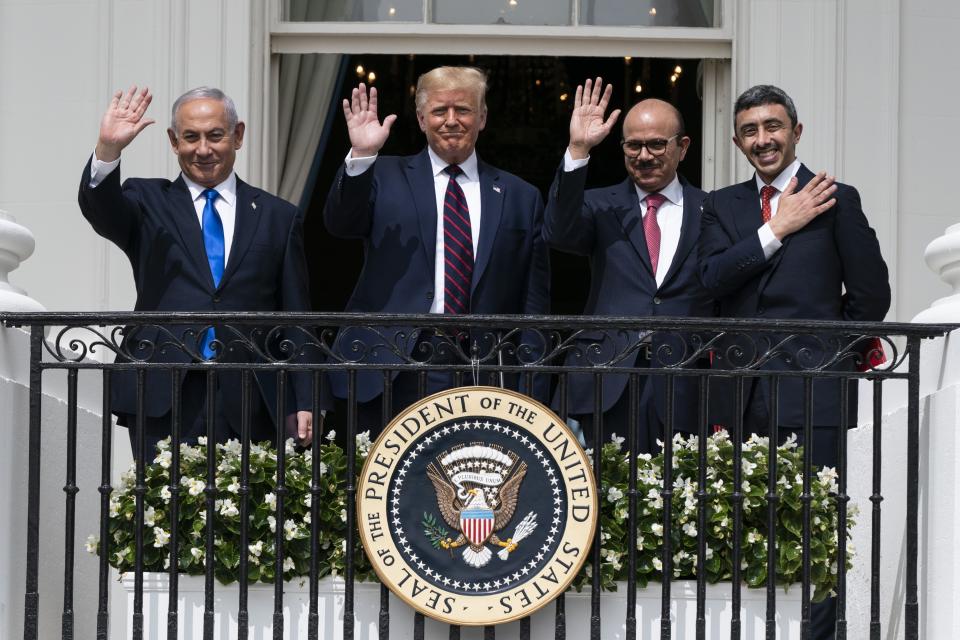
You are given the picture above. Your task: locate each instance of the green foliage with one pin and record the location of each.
(614, 501)
(719, 505)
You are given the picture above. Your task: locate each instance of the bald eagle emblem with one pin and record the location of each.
(477, 486)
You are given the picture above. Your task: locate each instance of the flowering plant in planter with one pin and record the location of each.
(718, 563)
(331, 529)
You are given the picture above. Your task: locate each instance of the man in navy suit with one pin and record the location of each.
(206, 241)
(443, 232)
(640, 236)
(788, 244)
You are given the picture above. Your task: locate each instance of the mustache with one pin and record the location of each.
(645, 164)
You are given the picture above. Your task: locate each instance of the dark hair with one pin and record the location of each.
(762, 94)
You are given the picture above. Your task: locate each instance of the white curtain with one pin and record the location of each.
(307, 86)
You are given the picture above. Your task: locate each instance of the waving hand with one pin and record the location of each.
(122, 122)
(587, 125)
(367, 134)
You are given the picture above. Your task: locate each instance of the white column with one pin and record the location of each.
(16, 245)
(943, 258)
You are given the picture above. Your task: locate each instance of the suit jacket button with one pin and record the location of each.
(761, 310)
(216, 298)
(656, 300)
(429, 295)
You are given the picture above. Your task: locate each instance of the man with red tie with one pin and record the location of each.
(640, 236)
(443, 232)
(788, 244)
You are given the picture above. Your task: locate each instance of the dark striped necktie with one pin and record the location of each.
(457, 247)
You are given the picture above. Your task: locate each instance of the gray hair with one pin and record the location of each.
(206, 93)
(763, 94)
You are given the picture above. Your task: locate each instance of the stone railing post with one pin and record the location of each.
(943, 258)
(16, 245)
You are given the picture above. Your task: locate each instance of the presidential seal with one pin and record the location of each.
(477, 506)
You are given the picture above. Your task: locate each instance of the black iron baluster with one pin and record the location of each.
(597, 559)
(773, 499)
(139, 491)
(174, 487)
(737, 498)
(418, 623)
(911, 606)
(806, 498)
(243, 614)
(313, 621)
(279, 552)
(386, 410)
(525, 627)
(210, 493)
(703, 383)
(70, 522)
(560, 614)
(351, 491)
(454, 633)
(633, 413)
(876, 498)
(31, 593)
(842, 499)
(106, 490)
(666, 625)
(489, 633)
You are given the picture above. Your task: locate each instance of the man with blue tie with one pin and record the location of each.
(206, 241)
(443, 232)
(640, 237)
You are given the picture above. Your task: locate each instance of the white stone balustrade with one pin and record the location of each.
(16, 245)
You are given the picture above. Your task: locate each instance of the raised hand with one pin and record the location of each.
(587, 126)
(367, 134)
(122, 122)
(797, 208)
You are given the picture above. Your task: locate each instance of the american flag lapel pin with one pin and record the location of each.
(253, 205)
(496, 188)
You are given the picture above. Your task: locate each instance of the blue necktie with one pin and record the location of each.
(213, 243)
(457, 246)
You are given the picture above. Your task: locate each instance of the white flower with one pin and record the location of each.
(363, 443)
(289, 529)
(288, 447)
(708, 553)
(748, 466)
(165, 493)
(307, 517)
(119, 556)
(233, 447)
(657, 529)
(256, 549)
(161, 538)
(271, 500)
(149, 516)
(115, 507)
(197, 553)
(228, 509)
(195, 486)
(234, 486)
(93, 543)
(614, 494)
(202, 441)
(323, 468)
(657, 564)
(614, 438)
(753, 537)
(343, 514)
(273, 524)
(331, 435)
(164, 459)
(289, 564)
(690, 529)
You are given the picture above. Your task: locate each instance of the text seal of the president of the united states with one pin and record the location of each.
(477, 506)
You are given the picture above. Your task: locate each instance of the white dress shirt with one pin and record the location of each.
(469, 181)
(669, 216)
(769, 241)
(226, 204)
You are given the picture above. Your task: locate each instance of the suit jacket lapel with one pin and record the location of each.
(689, 232)
(185, 221)
(421, 180)
(245, 227)
(492, 194)
(803, 177)
(627, 209)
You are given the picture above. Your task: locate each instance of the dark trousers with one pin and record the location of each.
(193, 417)
(616, 422)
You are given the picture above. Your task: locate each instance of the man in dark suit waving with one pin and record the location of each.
(206, 241)
(640, 236)
(443, 231)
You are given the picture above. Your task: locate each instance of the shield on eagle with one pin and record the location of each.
(476, 525)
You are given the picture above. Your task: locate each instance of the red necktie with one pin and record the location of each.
(652, 230)
(457, 247)
(766, 193)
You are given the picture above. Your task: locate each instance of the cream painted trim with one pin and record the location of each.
(378, 38)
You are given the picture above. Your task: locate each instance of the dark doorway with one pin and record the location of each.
(529, 102)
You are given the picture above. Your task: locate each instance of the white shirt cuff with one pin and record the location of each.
(356, 166)
(99, 170)
(768, 241)
(569, 164)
